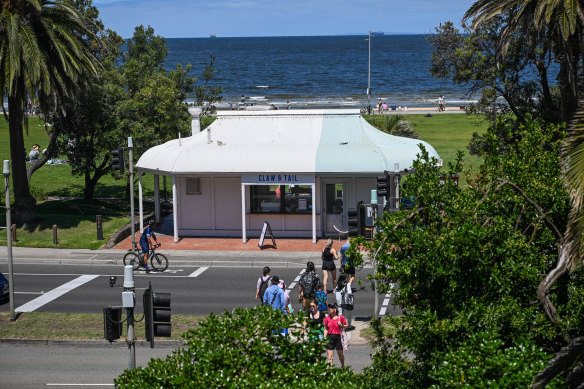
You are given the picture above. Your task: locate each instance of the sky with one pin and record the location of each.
(246, 18)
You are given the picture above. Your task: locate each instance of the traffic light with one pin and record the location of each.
(157, 314)
(356, 220)
(112, 323)
(353, 221)
(118, 162)
(383, 185)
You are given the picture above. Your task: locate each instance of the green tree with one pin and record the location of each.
(132, 96)
(471, 58)
(397, 125)
(243, 349)
(43, 56)
(558, 23)
(469, 263)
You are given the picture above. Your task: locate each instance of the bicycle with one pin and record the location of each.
(158, 261)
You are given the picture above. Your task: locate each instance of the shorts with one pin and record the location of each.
(334, 342)
(144, 246)
(306, 303)
(350, 270)
(328, 265)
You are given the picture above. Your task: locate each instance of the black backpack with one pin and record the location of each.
(308, 283)
(263, 287)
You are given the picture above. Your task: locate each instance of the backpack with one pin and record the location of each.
(308, 283)
(263, 287)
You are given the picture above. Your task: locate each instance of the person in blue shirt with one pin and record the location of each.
(347, 263)
(274, 295)
(146, 241)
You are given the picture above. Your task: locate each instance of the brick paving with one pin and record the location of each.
(235, 244)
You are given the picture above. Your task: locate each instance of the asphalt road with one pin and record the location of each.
(77, 287)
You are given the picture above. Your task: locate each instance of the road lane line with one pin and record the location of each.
(55, 293)
(198, 272)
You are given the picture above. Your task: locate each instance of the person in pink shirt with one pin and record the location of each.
(333, 325)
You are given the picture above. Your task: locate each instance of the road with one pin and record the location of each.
(56, 286)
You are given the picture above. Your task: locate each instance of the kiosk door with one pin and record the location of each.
(335, 214)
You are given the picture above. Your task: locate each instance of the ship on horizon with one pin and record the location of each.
(377, 33)
(213, 36)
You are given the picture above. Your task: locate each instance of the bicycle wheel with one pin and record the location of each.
(159, 262)
(133, 259)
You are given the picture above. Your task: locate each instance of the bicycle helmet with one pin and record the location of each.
(151, 222)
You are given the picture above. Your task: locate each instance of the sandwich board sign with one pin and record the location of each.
(267, 231)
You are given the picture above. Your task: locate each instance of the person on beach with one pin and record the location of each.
(333, 325)
(441, 106)
(379, 106)
(243, 99)
(329, 254)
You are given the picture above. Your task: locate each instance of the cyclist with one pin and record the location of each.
(146, 242)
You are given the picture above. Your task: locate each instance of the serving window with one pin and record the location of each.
(289, 199)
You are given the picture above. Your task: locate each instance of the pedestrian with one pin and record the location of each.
(315, 324)
(146, 242)
(329, 254)
(288, 104)
(379, 106)
(441, 104)
(334, 323)
(287, 301)
(342, 291)
(243, 99)
(320, 298)
(307, 285)
(264, 282)
(274, 296)
(347, 263)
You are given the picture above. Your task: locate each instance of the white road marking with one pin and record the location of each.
(55, 293)
(198, 272)
(385, 303)
(291, 286)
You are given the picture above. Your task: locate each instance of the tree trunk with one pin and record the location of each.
(24, 202)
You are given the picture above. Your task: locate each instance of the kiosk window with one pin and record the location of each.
(193, 186)
(291, 199)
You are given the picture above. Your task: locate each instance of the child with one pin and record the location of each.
(320, 298)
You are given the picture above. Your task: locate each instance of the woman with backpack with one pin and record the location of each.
(342, 293)
(264, 282)
(329, 254)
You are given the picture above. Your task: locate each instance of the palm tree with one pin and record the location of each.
(562, 22)
(398, 125)
(43, 55)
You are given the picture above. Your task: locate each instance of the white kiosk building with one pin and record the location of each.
(300, 170)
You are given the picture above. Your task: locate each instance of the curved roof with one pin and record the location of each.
(299, 141)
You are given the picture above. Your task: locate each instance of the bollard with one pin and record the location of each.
(13, 230)
(55, 242)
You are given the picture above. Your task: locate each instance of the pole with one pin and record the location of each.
(131, 166)
(131, 340)
(6, 172)
(369, 77)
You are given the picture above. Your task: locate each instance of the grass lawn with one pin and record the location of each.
(78, 326)
(447, 133)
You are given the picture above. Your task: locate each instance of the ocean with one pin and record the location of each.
(318, 71)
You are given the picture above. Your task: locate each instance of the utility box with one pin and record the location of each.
(128, 300)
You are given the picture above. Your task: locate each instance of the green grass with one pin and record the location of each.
(78, 326)
(447, 133)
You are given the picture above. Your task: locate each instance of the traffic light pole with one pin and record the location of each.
(128, 302)
(131, 167)
(6, 172)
